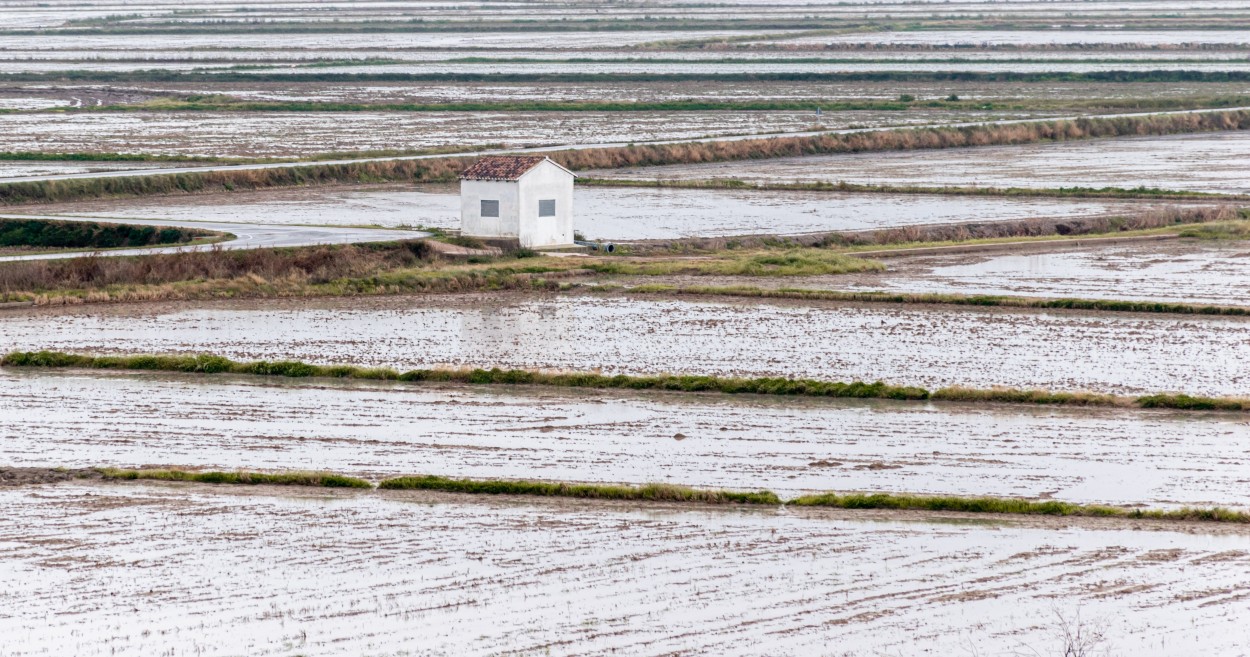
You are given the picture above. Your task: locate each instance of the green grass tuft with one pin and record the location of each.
(648, 492)
(210, 364)
(1012, 506)
(321, 479)
(796, 262)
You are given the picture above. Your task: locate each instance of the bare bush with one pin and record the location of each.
(317, 264)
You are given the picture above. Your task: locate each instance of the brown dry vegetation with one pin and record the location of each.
(900, 140)
(345, 270)
(953, 233)
(309, 265)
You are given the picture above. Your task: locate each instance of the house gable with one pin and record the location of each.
(507, 168)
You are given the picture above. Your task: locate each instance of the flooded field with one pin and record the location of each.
(790, 446)
(140, 55)
(994, 37)
(17, 168)
(927, 346)
(707, 68)
(1188, 272)
(561, 578)
(659, 91)
(1213, 162)
(369, 42)
(90, 568)
(1180, 271)
(276, 134)
(603, 213)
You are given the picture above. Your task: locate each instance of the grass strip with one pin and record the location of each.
(319, 479)
(793, 262)
(937, 298)
(684, 494)
(648, 492)
(1012, 506)
(211, 364)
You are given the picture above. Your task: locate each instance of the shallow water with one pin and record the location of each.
(607, 213)
(1211, 162)
(13, 169)
(926, 346)
(791, 446)
(1185, 272)
(285, 134)
(1031, 37)
(142, 570)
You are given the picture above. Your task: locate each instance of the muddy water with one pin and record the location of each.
(704, 68)
(1215, 162)
(15, 169)
(281, 134)
(604, 213)
(1190, 272)
(931, 347)
(1153, 38)
(791, 446)
(367, 44)
(1181, 271)
(230, 571)
(397, 92)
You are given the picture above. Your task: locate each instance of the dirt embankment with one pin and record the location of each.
(13, 477)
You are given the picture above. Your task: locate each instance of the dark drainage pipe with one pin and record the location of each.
(606, 247)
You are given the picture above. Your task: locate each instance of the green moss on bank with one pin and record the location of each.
(649, 492)
(211, 364)
(320, 479)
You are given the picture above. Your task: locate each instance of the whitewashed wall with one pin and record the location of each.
(473, 192)
(518, 207)
(546, 181)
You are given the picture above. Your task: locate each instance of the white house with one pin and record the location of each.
(526, 199)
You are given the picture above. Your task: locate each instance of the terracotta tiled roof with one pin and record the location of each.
(501, 167)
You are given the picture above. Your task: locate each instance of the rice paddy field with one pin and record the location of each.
(1180, 272)
(380, 430)
(1213, 163)
(929, 347)
(410, 569)
(611, 214)
(1040, 205)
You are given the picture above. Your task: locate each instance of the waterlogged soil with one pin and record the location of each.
(1061, 37)
(1211, 162)
(688, 67)
(99, 569)
(368, 42)
(660, 91)
(910, 345)
(1177, 271)
(288, 134)
(18, 169)
(790, 446)
(602, 213)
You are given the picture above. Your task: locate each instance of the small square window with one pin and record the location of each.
(547, 208)
(490, 208)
